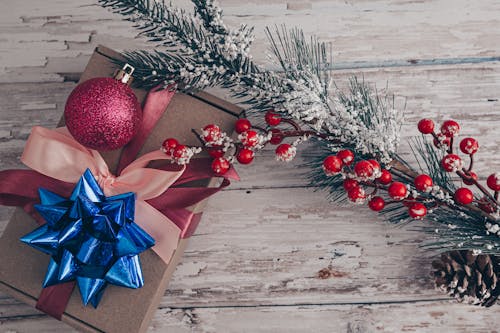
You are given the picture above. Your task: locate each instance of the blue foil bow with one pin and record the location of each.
(92, 239)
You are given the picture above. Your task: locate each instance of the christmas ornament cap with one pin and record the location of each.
(124, 75)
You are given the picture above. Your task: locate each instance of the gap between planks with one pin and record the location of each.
(287, 305)
(341, 66)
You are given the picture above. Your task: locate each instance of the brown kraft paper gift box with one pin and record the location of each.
(22, 268)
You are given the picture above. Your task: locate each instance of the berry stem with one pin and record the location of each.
(402, 174)
(435, 204)
(471, 164)
(392, 202)
(198, 136)
(263, 130)
(299, 132)
(434, 135)
(374, 190)
(450, 148)
(291, 122)
(463, 175)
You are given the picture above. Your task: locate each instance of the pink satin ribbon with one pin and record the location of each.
(54, 153)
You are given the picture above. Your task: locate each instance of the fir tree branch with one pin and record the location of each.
(197, 51)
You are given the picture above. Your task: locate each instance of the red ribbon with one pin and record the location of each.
(20, 188)
(154, 107)
(54, 299)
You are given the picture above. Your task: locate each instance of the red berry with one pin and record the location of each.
(350, 183)
(450, 128)
(220, 165)
(442, 140)
(364, 169)
(169, 145)
(285, 152)
(245, 156)
(426, 126)
(423, 183)
(249, 138)
(376, 204)
(385, 178)
(356, 194)
(493, 181)
(276, 136)
(332, 165)
(242, 125)
(272, 118)
(215, 152)
(471, 176)
(346, 156)
(397, 191)
(375, 165)
(464, 196)
(417, 210)
(469, 146)
(211, 133)
(451, 163)
(179, 151)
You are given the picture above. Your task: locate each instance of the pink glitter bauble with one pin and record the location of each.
(103, 114)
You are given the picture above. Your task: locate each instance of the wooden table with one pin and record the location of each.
(253, 264)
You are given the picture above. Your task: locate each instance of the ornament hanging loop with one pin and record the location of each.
(124, 75)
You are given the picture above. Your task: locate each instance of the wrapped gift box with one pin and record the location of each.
(121, 309)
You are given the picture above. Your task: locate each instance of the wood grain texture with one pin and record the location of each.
(252, 264)
(363, 33)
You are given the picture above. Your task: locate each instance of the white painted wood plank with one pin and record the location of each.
(421, 318)
(384, 31)
(391, 318)
(267, 246)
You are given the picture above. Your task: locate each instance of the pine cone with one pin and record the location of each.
(468, 277)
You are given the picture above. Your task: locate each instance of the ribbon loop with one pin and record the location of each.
(54, 153)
